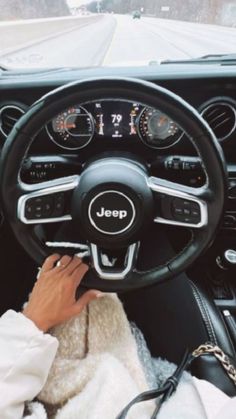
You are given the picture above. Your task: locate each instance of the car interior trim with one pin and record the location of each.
(113, 274)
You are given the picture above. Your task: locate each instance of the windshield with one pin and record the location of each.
(80, 33)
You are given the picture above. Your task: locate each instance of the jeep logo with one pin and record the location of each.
(111, 212)
(115, 213)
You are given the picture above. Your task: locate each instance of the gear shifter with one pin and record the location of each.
(227, 260)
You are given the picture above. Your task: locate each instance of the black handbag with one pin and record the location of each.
(164, 393)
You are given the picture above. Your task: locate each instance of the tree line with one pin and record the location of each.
(30, 9)
(207, 11)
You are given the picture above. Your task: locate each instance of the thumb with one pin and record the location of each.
(86, 298)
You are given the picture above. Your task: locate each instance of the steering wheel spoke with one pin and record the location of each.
(46, 202)
(179, 205)
(106, 268)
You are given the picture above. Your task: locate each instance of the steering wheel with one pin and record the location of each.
(114, 200)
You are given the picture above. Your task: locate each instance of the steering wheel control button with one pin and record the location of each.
(29, 209)
(111, 212)
(59, 204)
(186, 211)
(45, 207)
(34, 208)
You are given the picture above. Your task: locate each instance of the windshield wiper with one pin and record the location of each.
(222, 59)
(40, 72)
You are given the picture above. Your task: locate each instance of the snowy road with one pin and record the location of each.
(121, 40)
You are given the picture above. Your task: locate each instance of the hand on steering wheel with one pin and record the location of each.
(52, 300)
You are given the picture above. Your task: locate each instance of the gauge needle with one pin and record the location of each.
(162, 120)
(69, 126)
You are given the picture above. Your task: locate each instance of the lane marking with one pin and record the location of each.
(110, 46)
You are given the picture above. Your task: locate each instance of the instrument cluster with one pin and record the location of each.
(77, 126)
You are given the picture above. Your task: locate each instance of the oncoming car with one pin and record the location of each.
(136, 14)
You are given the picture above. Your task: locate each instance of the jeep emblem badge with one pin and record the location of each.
(111, 212)
(115, 213)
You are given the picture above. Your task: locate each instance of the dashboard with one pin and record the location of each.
(212, 94)
(77, 126)
(116, 121)
(82, 133)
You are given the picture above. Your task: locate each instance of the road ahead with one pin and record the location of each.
(120, 40)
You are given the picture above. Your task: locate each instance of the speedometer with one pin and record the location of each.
(157, 130)
(72, 129)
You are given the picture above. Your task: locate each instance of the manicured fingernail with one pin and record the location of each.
(100, 295)
(39, 273)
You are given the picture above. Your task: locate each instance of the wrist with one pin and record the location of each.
(39, 323)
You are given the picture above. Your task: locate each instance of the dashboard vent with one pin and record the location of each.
(9, 115)
(221, 116)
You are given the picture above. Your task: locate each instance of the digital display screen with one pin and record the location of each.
(116, 119)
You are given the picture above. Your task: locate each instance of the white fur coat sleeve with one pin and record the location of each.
(26, 355)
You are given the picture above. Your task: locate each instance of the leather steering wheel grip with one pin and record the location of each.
(134, 90)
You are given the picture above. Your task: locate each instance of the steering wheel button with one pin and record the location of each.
(58, 209)
(178, 211)
(47, 207)
(195, 213)
(195, 206)
(38, 215)
(187, 204)
(58, 205)
(59, 197)
(47, 210)
(187, 220)
(29, 212)
(187, 211)
(38, 200)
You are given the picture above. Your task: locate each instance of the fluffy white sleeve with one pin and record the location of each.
(26, 355)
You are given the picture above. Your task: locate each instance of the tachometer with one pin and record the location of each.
(72, 129)
(157, 129)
